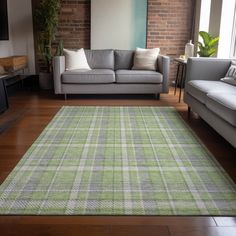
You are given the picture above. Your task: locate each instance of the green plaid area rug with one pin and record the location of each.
(118, 161)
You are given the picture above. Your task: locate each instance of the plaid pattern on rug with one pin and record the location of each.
(118, 161)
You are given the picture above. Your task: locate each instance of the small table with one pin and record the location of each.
(181, 74)
(17, 76)
(6, 81)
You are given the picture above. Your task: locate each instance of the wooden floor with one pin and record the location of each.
(30, 112)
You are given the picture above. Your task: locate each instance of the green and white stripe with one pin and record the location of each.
(118, 161)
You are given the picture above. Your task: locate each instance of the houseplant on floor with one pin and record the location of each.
(208, 47)
(46, 22)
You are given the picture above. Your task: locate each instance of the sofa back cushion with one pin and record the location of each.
(124, 59)
(100, 59)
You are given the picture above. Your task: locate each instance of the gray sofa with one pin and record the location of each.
(212, 99)
(111, 74)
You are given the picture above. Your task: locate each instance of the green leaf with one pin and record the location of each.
(205, 36)
(209, 46)
(214, 41)
(212, 51)
(46, 22)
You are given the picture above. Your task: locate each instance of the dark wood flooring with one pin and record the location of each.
(30, 112)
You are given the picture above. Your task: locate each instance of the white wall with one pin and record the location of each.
(6, 48)
(205, 15)
(110, 21)
(119, 24)
(20, 32)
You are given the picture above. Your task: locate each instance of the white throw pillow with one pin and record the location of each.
(146, 59)
(76, 59)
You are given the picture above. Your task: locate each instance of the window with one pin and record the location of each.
(233, 43)
(205, 15)
(226, 28)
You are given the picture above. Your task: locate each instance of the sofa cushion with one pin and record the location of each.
(146, 59)
(224, 105)
(200, 88)
(138, 76)
(124, 59)
(100, 59)
(229, 80)
(97, 76)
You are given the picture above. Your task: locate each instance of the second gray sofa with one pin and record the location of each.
(208, 96)
(111, 74)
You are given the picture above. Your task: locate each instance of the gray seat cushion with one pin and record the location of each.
(138, 77)
(200, 88)
(98, 76)
(100, 59)
(124, 59)
(224, 105)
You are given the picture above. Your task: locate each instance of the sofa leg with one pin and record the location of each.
(189, 112)
(65, 96)
(157, 96)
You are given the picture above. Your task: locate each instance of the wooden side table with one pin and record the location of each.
(6, 81)
(180, 76)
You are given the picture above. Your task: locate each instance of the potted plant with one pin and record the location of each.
(46, 22)
(208, 47)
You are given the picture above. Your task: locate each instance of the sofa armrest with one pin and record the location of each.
(58, 68)
(164, 68)
(200, 68)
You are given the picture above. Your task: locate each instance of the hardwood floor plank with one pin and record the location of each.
(71, 230)
(110, 220)
(225, 221)
(59, 230)
(141, 230)
(203, 231)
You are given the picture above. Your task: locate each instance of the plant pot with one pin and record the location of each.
(45, 81)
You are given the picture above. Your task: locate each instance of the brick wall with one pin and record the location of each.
(74, 26)
(169, 24)
(169, 27)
